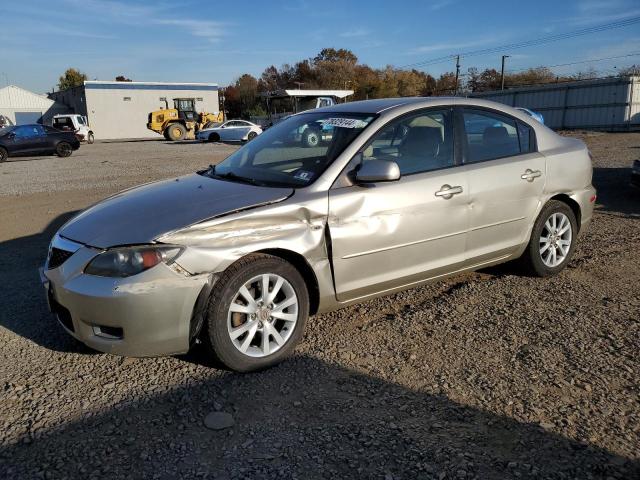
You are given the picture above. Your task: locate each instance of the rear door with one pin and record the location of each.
(392, 234)
(506, 180)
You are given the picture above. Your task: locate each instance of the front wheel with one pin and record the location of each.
(90, 138)
(257, 313)
(3, 155)
(176, 132)
(251, 136)
(553, 240)
(64, 149)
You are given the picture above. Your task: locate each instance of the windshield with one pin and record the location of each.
(294, 152)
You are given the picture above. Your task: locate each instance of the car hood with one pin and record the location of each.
(142, 214)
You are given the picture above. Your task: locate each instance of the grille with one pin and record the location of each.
(57, 257)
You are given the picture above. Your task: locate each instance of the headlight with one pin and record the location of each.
(125, 262)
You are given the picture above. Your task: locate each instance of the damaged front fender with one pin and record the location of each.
(296, 225)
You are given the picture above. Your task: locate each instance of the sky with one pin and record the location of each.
(208, 41)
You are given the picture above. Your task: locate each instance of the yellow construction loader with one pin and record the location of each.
(182, 121)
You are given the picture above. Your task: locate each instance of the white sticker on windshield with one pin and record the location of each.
(303, 175)
(345, 122)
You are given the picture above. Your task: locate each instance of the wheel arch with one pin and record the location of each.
(308, 275)
(572, 204)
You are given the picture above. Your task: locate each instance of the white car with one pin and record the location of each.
(74, 123)
(230, 131)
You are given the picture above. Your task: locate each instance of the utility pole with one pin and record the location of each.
(502, 72)
(457, 74)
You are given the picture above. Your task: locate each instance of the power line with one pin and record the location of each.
(593, 60)
(529, 43)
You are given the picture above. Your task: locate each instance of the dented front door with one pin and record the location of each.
(393, 234)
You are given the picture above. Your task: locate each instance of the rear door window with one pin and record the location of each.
(491, 135)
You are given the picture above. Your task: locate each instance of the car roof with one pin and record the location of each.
(382, 104)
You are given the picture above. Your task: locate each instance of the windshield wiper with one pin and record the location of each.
(232, 176)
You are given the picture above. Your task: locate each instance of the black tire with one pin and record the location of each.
(165, 134)
(214, 137)
(64, 149)
(311, 137)
(251, 136)
(215, 334)
(90, 138)
(3, 155)
(531, 259)
(176, 132)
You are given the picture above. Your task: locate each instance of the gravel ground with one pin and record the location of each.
(488, 375)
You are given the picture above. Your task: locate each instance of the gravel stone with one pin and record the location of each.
(219, 420)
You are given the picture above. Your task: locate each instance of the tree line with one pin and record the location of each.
(339, 69)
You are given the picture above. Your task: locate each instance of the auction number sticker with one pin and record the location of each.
(344, 122)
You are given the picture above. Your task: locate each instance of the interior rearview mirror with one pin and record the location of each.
(372, 171)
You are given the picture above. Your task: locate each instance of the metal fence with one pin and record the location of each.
(611, 104)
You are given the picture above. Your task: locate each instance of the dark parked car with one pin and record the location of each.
(36, 139)
(635, 173)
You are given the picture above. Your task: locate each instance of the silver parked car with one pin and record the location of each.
(241, 254)
(230, 131)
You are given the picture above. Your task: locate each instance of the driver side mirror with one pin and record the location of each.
(11, 136)
(372, 171)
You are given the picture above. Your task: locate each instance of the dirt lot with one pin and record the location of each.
(490, 375)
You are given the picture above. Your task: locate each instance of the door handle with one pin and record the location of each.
(529, 175)
(447, 191)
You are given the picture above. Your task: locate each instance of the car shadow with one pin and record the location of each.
(23, 306)
(615, 192)
(303, 419)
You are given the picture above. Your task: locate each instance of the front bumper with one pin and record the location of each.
(148, 314)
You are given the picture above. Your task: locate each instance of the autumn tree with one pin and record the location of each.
(71, 78)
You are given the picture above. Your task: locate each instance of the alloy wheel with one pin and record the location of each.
(555, 239)
(262, 315)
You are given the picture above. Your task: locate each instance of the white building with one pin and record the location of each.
(121, 109)
(24, 107)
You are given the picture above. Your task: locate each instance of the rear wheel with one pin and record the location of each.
(176, 131)
(90, 138)
(3, 155)
(64, 149)
(553, 240)
(257, 313)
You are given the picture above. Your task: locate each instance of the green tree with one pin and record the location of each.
(71, 78)
(247, 87)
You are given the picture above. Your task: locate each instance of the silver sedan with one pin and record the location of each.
(230, 131)
(239, 255)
